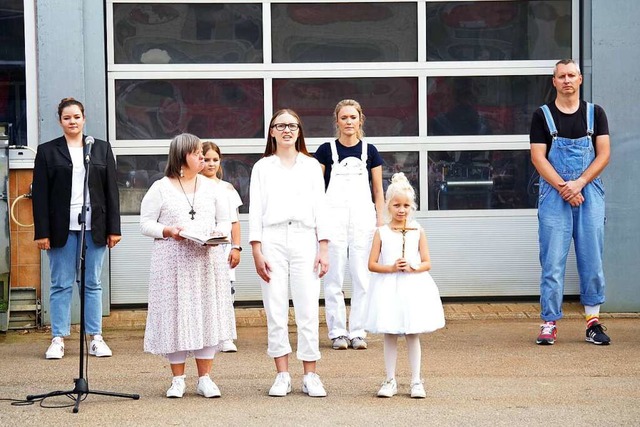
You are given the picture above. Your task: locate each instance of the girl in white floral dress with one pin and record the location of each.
(190, 311)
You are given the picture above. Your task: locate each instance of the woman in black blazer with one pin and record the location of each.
(58, 181)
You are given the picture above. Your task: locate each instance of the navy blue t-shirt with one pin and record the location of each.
(323, 155)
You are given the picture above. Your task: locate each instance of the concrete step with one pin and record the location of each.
(256, 317)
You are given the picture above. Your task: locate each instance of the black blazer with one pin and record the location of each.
(51, 192)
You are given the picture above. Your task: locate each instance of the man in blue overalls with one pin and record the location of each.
(570, 148)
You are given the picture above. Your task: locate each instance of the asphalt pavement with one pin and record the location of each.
(484, 372)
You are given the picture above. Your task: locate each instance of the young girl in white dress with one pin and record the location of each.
(403, 298)
(213, 170)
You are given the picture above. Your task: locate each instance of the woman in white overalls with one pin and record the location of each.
(353, 173)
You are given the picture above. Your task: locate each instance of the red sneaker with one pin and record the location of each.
(548, 333)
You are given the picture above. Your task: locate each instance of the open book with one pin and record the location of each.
(206, 240)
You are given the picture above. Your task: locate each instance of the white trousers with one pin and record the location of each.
(351, 238)
(291, 249)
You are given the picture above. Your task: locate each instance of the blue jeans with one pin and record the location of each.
(558, 224)
(62, 262)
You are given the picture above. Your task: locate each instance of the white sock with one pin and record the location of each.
(592, 310)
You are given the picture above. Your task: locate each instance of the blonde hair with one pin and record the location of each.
(400, 186)
(349, 103)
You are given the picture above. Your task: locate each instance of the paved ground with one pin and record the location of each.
(483, 372)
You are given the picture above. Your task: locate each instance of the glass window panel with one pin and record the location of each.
(161, 109)
(237, 170)
(497, 179)
(407, 162)
(492, 105)
(498, 30)
(13, 95)
(390, 104)
(171, 33)
(344, 32)
(136, 173)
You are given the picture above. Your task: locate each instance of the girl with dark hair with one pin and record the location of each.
(58, 184)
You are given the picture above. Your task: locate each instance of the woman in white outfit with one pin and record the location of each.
(213, 170)
(353, 177)
(289, 241)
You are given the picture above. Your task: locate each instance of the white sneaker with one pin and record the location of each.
(207, 388)
(340, 343)
(417, 390)
(99, 348)
(358, 343)
(389, 388)
(312, 385)
(56, 349)
(177, 387)
(229, 347)
(281, 386)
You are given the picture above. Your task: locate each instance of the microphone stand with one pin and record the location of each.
(81, 388)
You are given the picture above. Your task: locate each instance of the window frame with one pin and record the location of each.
(267, 71)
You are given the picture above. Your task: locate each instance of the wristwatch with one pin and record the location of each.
(238, 247)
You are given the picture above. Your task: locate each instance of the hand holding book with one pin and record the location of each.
(216, 238)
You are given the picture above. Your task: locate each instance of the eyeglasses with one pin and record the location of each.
(281, 126)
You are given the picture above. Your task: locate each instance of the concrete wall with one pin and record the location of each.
(71, 63)
(616, 86)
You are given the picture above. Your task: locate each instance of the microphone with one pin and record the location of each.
(88, 145)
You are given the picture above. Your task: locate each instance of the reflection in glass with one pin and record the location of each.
(161, 109)
(481, 180)
(13, 94)
(407, 162)
(484, 105)
(390, 104)
(237, 170)
(498, 30)
(136, 173)
(344, 32)
(172, 33)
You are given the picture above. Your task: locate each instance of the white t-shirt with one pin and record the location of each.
(77, 187)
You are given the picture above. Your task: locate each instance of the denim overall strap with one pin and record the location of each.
(590, 119)
(560, 223)
(552, 125)
(549, 119)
